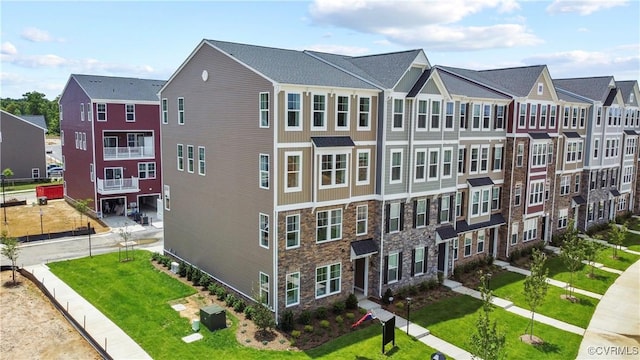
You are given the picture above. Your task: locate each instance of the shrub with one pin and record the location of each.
(295, 334)
(212, 288)
(189, 272)
(324, 324)
(321, 313)
(412, 290)
(339, 319)
(304, 318)
(230, 300)
(286, 321)
(239, 306)
(352, 302)
(155, 256)
(623, 218)
(205, 280)
(350, 316)
(182, 269)
(308, 328)
(263, 317)
(338, 307)
(166, 261)
(440, 278)
(387, 294)
(195, 276)
(221, 293)
(400, 305)
(248, 312)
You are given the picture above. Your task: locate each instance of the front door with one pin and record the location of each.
(442, 247)
(359, 276)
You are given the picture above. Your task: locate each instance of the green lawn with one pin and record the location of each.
(29, 186)
(633, 224)
(631, 240)
(510, 286)
(454, 319)
(135, 296)
(623, 261)
(599, 284)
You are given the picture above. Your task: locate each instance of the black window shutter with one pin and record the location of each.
(467, 115)
(400, 265)
(424, 261)
(464, 158)
(462, 204)
(387, 208)
(386, 270)
(415, 212)
(452, 207)
(428, 214)
(438, 211)
(413, 261)
(401, 227)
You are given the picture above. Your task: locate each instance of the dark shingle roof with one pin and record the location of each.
(483, 181)
(119, 88)
(364, 247)
(627, 88)
(419, 83)
(571, 135)
(332, 141)
(37, 120)
(447, 232)
(539, 135)
(518, 81)
(614, 192)
(612, 96)
(457, 85)
(593, 88)
(631, 132)
(579, 200)
(495, 220)
(289, 66)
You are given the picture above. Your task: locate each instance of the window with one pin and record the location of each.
(517, 197)
(486, 117)
(130, 110)
(264, 171)
(480, 241)
(463, 116)
(627, 175)
(334, 170)
(264, 230)
(398, 114)
(445, 203)
(536, 192)
(454, 248)
(82, 112)
(565, 118)
(467, 244)
(293, 112)
(484, 159)
(342, 118)
(293, 231)
(622, 205)
(328, 225)
(598, 115)
(423, 106)
(61, 137)
(583, 115)
(498, 122)
(448, 117)
(147, 170)
(328, 280)
(363, 167)
(393, 268)
(475, 203)
(294, 171)
(495, 198)
(419, 261)
(293, 289)
(264, 110)
(564, 184)
(474, 160)
(421, 161)
(202, 165)
(35, 173)
(77, 136)
(433, 164)
(446, 163)
(421, 213)
(514, 233)
(497, 158)
(475, 117)
(89, 112)
(435, 114)
(601, 210)
(543, 116)
(459, 201)
(61, 113)
(364, 114)
(596, 146)
(102, 112)
(92, 174)
(593, 177)
(396, 166)
(574, 117)
(485, 202)
(540, 88)
(520, 155)
(523, 115)
(539, 155)
(181, 111)
(574, 151)
(180, 157)
(552, 117)
(533, 115)
(563, 215)
(530, 229)
(462, 159)
(361, 219)
(167, 197)
(165, 111)
(190, 159)
(264, 288)
(394, 217)
(632, 145)
(576, 187)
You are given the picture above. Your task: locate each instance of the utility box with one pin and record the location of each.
(213, 317)
(42, 200)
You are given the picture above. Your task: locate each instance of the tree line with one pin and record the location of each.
(35, 103)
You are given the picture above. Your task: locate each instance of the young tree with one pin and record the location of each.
(125, 235)
(487, 342)
(535, 285)
(10, 250)
(591, 251)
(8, 173)
(263, 318)
(617, 236)
(572, 254)
(83, 207)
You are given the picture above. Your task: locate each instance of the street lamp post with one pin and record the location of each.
(408, 313)
(89, 227)
(41, 228)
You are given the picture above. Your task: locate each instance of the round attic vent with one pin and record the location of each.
(205, 75)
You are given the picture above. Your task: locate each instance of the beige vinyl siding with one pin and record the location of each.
(305, 195)
(362, 190)
(547, 91)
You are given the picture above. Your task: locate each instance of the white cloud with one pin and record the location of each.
(575, 63)
(426, 23)
(583, 29)
(49, 61)
(37, 35)
(583, 7)
(8, 48)
(340, 49)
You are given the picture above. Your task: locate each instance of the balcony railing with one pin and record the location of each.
(138, 152)
(118, 186)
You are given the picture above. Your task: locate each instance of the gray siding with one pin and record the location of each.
(22, 147)
(408, 80)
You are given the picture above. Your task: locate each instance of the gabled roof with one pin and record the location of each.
(518, 81)
(626, 87)
(611, 97)
(35, 120)
(568, 96)
(592, 88)
(289, 66)
(457, 85)
(119, 88)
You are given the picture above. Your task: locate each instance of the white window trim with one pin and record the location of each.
(514, 231)
(425, 114)
(397, 267)
(501, 162)
(368, 180)
(437, 164)
(146, 170)
(536, 189)
(126, 113)
(288, 189)
(262, 172)
(179, 159)
(348, 113)
(261, 110)
(191, 161)
(300, 112)
(334, 155)
(477, 170)
(264, 288)
(453, 116)
(431, 114)
(424, 166)
(328, 281)
(480, 235)
(202, 161)
(167, 197)
(293, 276)
(165, 110)
(425, 213)
(262, 230)
(480, 161)
(330, 224)
(391, 152)
(324, 113)
(365, 220)
(360, 112)
(393, 114)
(391, 206)
(287, 232)
(180, 112)
(420, 250)
(81, 111)
(469, 245)
(98, 112)
(450, 175)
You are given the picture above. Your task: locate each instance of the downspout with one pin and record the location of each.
(274, 221)
(410, 149)
(511, 184)
(95, 165)
(382, 171)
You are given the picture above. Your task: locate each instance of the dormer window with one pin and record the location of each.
(540, 88)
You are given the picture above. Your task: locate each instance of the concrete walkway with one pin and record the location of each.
(423, 335)
(118, 344)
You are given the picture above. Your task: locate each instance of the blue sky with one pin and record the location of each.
(42, 43)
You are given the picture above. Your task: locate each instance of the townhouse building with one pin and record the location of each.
(630, 186)
(22, 145)
(109, 131)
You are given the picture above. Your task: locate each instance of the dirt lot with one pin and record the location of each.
(31, 328)
(57, 216)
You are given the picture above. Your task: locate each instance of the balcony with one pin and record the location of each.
(138, 152)
(118, 186)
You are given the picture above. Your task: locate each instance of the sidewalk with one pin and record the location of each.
(118, 344)
(421, 334)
